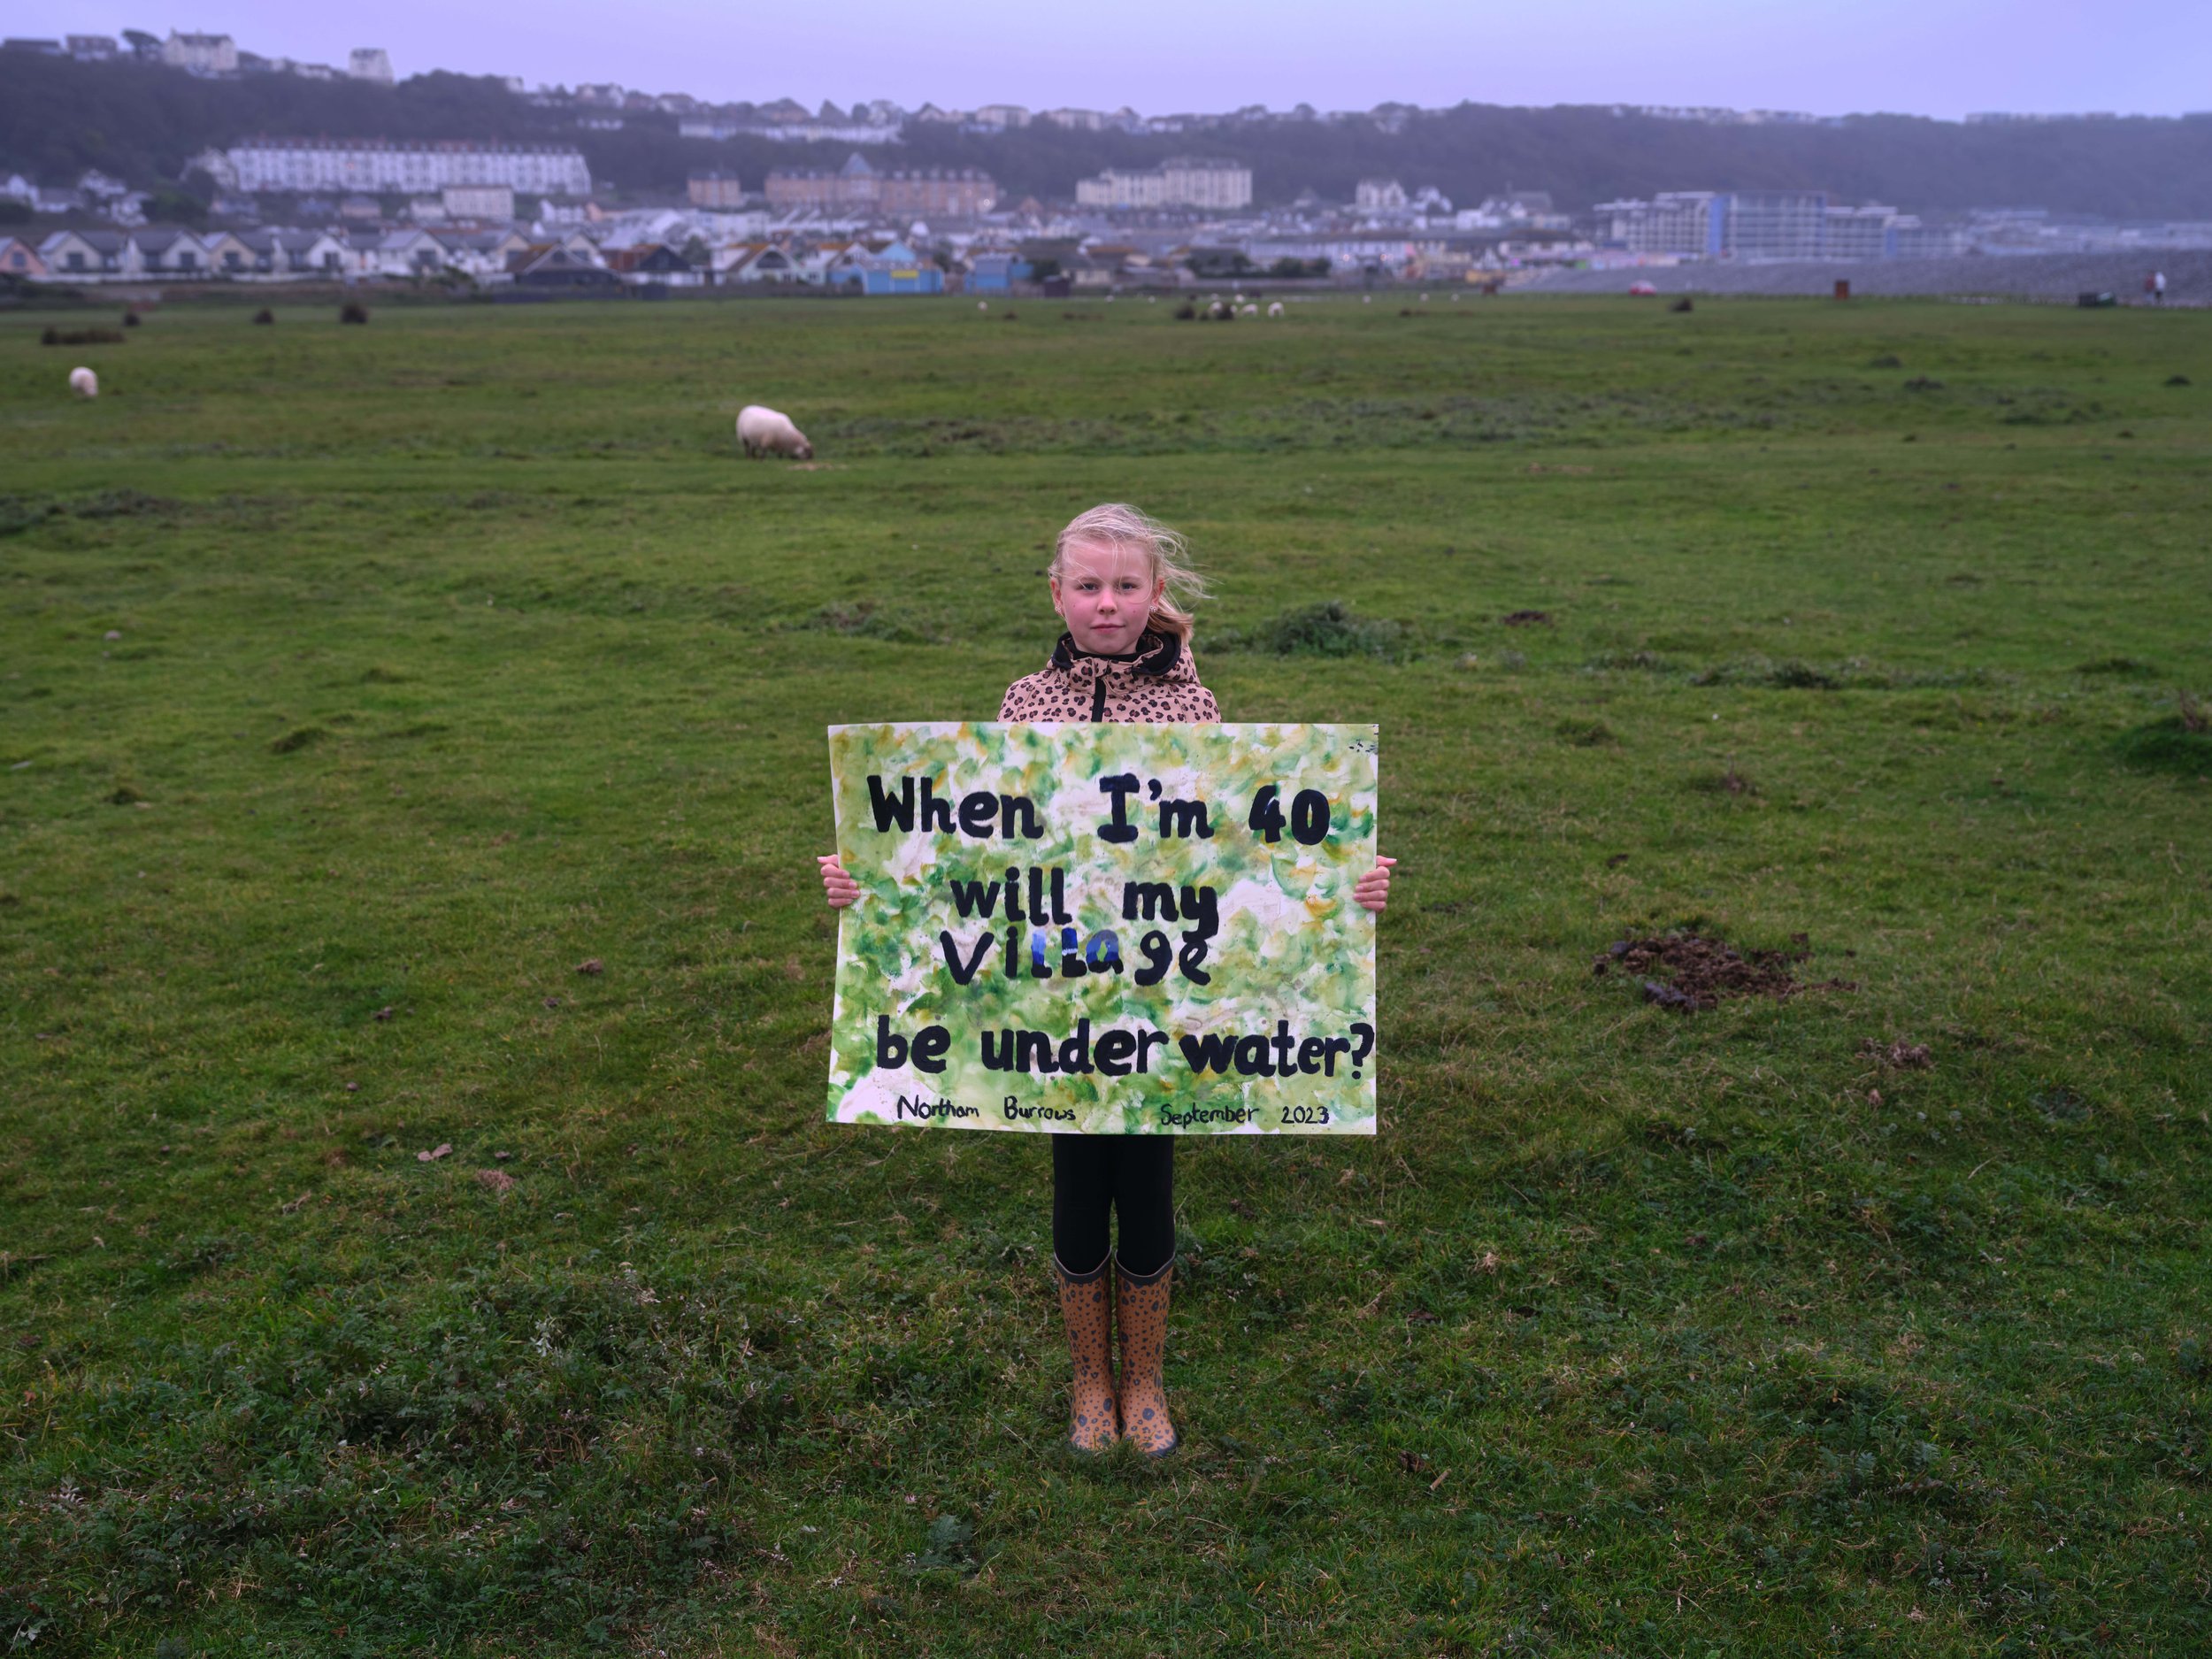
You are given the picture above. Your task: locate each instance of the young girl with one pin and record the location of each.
(1117, 582)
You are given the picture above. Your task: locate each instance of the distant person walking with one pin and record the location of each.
(2158, 287)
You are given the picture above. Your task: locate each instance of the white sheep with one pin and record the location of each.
(1251, 311)
(983, 305)
(1367, 299)
(764, 431)
(84, 382)
(1275, 308)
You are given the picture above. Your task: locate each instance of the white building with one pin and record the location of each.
(201, 54)
(1375, 195)
(383, 167)
(370, 63)
(1197, 181)
(1183, 182)
(489, 203)
(1001, 116)
(1123, 188)
(1720, 224)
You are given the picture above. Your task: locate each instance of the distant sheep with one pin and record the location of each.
(84, 382)
(770, 432)
(1275, 308)
(1367, 299)
(1251, 311)
(983, 305)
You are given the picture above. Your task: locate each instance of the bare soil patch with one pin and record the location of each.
(1690, 974)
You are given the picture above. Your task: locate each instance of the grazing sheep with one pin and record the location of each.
(1367, 299)
(84, 382)
(1274, 307)
(1251, 311)
(983, 305)
(770, 432)
(1425, 299)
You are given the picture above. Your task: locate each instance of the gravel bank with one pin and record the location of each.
(2054, 276)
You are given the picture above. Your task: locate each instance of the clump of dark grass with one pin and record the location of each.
(1628, 662)
(2181, 742)
(1586, 734)
(2119, 667)
(19, 514)
(1852, 674)
(81, 337)
(1727, 780)
(1331, 629)
(119, 503)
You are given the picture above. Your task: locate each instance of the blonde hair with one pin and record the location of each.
(1116, 524)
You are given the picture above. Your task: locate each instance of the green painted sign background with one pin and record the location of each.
(979, 852)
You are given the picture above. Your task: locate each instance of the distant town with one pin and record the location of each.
(496, 212)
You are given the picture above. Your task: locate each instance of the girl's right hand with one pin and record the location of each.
(840, 888)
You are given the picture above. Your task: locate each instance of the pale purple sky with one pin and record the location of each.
(1940, 58)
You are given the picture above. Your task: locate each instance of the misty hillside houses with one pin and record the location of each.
(381, 166)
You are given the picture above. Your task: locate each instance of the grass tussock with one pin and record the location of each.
(1332, 628)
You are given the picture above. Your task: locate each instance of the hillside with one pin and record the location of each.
(141, 122)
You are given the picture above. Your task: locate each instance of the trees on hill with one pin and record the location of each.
(141, 121)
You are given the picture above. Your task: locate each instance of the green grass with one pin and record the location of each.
(454, 650)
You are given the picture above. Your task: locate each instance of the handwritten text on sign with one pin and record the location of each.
(1111, 929)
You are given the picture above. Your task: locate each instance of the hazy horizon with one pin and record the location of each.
(1936, 57)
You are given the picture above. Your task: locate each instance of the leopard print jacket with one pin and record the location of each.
(1157, 683)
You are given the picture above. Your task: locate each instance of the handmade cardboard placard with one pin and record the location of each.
(1108, 929)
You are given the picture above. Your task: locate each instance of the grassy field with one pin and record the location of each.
(359, 683)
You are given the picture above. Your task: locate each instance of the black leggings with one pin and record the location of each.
(1132, 1175)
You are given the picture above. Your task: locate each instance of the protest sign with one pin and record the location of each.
(1108, 929)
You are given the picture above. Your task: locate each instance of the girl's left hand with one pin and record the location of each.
(1373, 888)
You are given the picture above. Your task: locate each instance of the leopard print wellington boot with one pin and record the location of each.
(1083, 1304)
(1140, 1312)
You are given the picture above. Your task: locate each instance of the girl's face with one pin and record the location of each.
(1105, 593)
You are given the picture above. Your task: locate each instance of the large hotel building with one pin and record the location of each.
(378, 166)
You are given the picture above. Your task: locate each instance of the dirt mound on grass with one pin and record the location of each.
(1689, 972)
